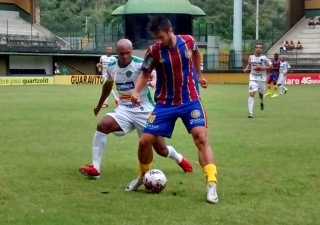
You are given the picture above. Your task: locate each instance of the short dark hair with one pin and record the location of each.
(159, 23)
(259, 44)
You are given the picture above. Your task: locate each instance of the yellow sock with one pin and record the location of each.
(144, 168)
(275, 90)
(210, 171)
(269, 87)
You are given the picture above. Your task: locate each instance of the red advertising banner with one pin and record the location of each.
(303, 79)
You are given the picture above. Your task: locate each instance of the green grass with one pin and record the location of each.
(268, 166)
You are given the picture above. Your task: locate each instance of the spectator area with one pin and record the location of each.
(309, 36)
(15, 31)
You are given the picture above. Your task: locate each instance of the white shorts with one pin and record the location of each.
(257, 86)
(104, 76)
(281, 79)
(129, 121)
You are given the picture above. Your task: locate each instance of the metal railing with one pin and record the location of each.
(21, 35)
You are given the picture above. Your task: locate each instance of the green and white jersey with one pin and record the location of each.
(125, 80)
(105, 61)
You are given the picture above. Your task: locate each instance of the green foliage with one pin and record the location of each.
(66, 17)
(272, 18)
(69, 16)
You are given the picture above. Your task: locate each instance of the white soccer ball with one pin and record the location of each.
(154, 180)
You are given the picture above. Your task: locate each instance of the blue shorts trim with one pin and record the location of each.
(163, 118)
(272, 79)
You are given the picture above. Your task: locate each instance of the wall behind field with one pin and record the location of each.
(31, 62)
(3, 66)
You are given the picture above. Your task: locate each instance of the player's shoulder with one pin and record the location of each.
(186, 38)
(112, 65)
(264, 58)
(136, 62)
(153, 48)
(136, 59)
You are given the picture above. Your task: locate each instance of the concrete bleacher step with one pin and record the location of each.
(311, 50)
(307, 36)
(310, 31)
(9, 13)
(18, 31)
(302, 56)
(311, 28)
(5, 22)
(306, 41)
(310, 45)
(17, 27)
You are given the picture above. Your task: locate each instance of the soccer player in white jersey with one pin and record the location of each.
(105, 60)
(284, 69)
(126, 117)
(258, 64)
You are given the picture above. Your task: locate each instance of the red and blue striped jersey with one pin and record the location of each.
(177, 81)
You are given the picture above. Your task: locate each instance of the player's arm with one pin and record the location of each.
(268, 65)
(196, 59)
(106, 89)
(142, 81)
(153, 79)
(144, 77)
(287, 70)
(100, 62)
(247, 67)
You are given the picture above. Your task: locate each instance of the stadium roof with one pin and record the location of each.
(155, 7)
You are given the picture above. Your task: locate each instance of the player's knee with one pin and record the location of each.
(200, 139)
(102, 127)
(160, 148)
(144, 143)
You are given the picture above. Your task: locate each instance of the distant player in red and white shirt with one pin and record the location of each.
(105, 60)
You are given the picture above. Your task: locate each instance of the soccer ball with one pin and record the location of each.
(154, 180)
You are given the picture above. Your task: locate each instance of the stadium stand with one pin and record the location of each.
(16, 32)
(308, 57)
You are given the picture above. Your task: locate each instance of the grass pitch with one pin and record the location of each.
(268, 166)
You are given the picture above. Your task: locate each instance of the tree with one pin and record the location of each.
(69, 16)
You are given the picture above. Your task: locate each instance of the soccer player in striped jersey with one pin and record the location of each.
(126, 117)
(274, 76)
(177, 60)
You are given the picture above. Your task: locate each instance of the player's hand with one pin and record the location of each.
(96, 110)
(152, 83)
(257, 68)
(203, 82)
(245, 70)
(135, 98)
